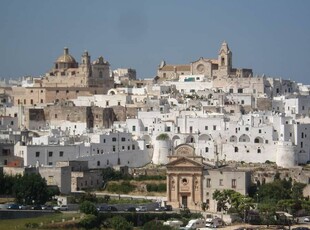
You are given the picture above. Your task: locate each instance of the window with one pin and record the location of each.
(233, 183)
(31, 101)
(25, 101)
(103, 140)
(206, 127)
(246, 128)
(61, 154)
(98, 163)
(259, 150)
(236, 149)
(107, 103)
(221, 182)
(57, 91)
(133, 147)
(37, 154)
(301, 144)
(128, 147)
(231, 90)
(108, 162)
(118, 103)
(191, 129)
(208, 183)
(242, 102)
(50, 154)
(55, 115)
(133, 128)
(12, 122)
(41, 101)
(259, 131)
(77, 91)
(123, 139)
(114, 139)
(207, 149)
(100, 74)
(214, 127)
(240, 90)
(302, 135)
(266, 141)
(114, 148)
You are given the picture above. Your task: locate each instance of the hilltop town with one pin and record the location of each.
(211, 126)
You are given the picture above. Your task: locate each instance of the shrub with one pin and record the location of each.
(89, 221)
(125, 187)
(155, 225)
(156, 187)
(32, 225)
(162, 137)
(88, 207)
(153, 177)
(119, 223)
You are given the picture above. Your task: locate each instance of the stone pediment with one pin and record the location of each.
(184, 150)
(184, 162)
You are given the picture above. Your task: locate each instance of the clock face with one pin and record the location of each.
(200, 68)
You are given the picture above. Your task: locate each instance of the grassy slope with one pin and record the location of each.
(45, 220)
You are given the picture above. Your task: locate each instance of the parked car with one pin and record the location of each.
(307, 219)
(107, 208)
(130, 209)
(160, 209)
(141, 209)
(13, 206)
(61, 208)
(24, 207)
(47, 207)
(36, 207)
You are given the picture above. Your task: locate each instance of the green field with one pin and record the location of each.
(42, 222)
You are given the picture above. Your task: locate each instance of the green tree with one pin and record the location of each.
(223, 198)
(275, 191)
(297, 191)
(119, 223)
(31, 189)
(7, 182)
(88, 207)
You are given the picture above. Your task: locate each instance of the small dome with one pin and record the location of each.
(66, 57)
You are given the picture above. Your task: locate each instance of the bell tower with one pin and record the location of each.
(225, 59)
(85, 64)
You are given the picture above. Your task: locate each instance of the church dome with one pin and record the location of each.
(66, 57)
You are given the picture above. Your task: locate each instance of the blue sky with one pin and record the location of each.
(271, 37)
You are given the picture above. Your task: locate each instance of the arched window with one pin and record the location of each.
(259, 150)
(222, 61)
(233, 139)
(207, 149)
(258, 140)
(244, 138)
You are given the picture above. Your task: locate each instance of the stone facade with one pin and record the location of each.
(191, 182)
(212, 69)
